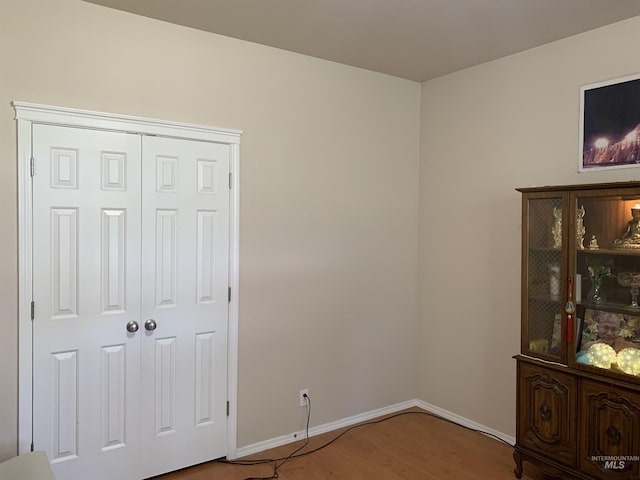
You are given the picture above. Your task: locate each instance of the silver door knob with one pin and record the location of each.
(150, 324)
(132, 326)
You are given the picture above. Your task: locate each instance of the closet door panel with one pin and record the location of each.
(185, 237)
(86, 289)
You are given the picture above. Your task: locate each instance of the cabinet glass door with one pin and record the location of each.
(607, 272)
(544, 283)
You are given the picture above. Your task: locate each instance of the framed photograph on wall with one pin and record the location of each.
(610, 124)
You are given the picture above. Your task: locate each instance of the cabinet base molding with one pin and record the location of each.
(549, 468)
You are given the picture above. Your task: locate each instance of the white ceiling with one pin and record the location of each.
(412, 39)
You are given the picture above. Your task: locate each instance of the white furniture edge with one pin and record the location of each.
(30, 466)
(28, 114)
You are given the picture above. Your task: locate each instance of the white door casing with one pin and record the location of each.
(182, 285)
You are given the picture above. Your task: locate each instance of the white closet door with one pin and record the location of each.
(129, 229)
(185, 238)
(86, 287)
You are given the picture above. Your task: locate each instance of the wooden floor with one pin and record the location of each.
(408, 447)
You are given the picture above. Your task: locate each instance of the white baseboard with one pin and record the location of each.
(363, 417)
(465, 422)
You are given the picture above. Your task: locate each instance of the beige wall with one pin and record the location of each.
(485, 131)
(329, 201)
(329, 198)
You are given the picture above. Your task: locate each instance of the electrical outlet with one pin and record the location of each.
(303, 401)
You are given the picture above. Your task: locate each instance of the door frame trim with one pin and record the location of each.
(28, 114)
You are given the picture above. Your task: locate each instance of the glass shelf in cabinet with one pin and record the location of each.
(611, 306)
(610, 251)
(544, 298)
(547, 249)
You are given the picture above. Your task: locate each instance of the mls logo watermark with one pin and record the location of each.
(615, 462)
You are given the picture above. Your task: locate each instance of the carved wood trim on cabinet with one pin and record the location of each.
(547, 412)
(610, 426)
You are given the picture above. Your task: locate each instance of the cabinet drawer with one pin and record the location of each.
(609, 431)
(547, 412)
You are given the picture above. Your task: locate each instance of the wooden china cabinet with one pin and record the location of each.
(578, 373)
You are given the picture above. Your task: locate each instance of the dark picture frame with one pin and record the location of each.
(587, 327)
(610, 124)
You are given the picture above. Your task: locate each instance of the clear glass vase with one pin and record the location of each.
(596, 295)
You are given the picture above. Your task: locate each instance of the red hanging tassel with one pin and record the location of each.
(570, 310)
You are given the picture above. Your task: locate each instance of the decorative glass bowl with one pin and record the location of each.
(631, 280)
